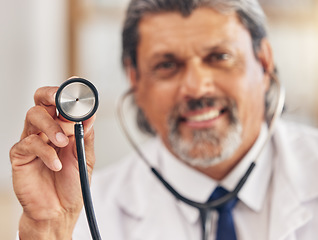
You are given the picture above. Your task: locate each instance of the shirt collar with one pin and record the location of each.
(198, 187)
(254, 190)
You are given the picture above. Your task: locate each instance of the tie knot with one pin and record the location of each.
(220, 192)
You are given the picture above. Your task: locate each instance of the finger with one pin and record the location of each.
(31, 147)
(89, 143)
(88, 124)
(73, 77)
(39, 120)
(45, 97)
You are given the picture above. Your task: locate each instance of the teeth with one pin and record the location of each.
(204, 116)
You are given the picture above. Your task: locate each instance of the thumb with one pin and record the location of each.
(89, 143)
(88, 125)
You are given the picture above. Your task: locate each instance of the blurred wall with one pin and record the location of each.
(293, 32)
(34, 52)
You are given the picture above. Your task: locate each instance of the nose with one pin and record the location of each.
(198, 80)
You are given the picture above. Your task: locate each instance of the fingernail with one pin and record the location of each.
(60, 137)
(57, 165)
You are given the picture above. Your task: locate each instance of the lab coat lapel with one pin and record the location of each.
(137, 204)
(153, 209)
(288, 213)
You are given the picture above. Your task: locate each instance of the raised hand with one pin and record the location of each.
(45, 170)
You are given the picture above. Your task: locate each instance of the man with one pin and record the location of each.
(201, 72)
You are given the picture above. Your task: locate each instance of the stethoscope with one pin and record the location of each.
(77, 100)
(78, 86)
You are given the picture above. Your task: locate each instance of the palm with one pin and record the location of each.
(44, 193)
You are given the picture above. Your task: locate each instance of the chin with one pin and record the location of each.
(205, 160)
(205, 148)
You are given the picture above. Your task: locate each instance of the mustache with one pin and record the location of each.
(196, 104)
(203, 102)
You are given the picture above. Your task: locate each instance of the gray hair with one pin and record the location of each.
(249, 13)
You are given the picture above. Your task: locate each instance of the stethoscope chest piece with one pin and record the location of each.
(77, 99)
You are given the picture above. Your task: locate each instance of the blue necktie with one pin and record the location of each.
(225, 229)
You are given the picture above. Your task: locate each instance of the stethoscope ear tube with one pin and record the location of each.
(209, 205)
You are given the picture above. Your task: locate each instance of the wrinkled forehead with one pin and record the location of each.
(202, 26)
(201, 14)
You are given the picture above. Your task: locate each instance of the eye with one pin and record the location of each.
(166, 65)
(165, 69)
(216, 57)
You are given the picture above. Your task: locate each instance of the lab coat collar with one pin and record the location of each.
(254, 190)
(293, 182)
(135, 199)
(304, 163)
(141, 201)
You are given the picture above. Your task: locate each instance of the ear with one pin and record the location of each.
(265, 57)
(131, 74)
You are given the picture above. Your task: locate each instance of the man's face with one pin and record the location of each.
(199, 84)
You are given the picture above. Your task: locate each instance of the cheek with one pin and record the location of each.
(157, 101)
(251, 105)
(247, 90)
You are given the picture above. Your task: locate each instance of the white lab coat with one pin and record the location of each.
(131, 204)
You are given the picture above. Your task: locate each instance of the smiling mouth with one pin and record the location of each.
(204, 116)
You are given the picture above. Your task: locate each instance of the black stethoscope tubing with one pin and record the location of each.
(206, 208)
(86, 193)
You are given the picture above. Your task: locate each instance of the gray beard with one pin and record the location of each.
(204, 141)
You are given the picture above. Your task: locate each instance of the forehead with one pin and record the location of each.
(204, 27)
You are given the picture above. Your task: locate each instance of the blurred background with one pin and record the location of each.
(44, 42)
